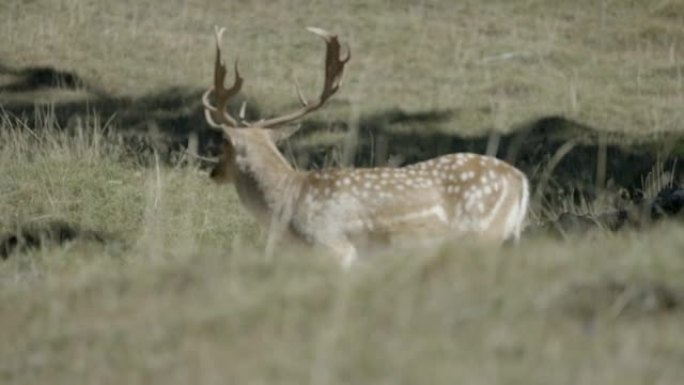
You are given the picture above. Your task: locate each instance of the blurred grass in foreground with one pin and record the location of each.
(186, 296)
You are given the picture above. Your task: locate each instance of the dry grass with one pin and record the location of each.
(615, 65)
(183, 294)
(91, 178)
(444, 317)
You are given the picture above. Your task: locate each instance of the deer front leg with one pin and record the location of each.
(271, 240)
(276, 230)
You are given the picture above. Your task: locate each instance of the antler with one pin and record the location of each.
(218, 116)
(221, 94)
(334, 68)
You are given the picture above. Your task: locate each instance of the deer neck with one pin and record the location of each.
(266, 183)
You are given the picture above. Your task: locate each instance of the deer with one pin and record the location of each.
(345, 210)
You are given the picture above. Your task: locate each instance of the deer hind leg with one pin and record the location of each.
(513, 219)
(507, 224)
(344, 251)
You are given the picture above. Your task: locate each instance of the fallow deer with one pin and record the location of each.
(345, 209)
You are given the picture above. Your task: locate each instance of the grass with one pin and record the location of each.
(180, 292)
(91, 178)
(215, 318)
(613, 65)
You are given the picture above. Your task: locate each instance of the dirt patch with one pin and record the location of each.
(615, 298)
(38, 235)
(38, 78)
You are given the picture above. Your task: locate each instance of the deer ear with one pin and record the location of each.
(281, 133)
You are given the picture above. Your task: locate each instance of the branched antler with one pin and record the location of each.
(334, 69)
(218, 116)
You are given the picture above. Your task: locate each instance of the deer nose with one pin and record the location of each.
(214, 173)
(218, 175)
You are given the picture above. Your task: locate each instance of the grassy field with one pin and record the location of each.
(175, 289)
(616, 65)
(180, 293)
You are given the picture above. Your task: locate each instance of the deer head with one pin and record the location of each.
(239, 134)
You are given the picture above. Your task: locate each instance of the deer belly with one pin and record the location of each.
(393, 225)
